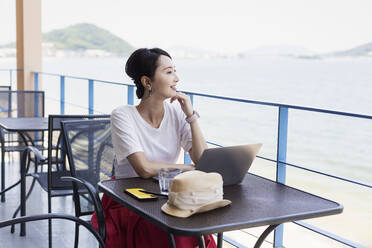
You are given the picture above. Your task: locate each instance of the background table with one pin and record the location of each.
(255, 202)
(23, 125)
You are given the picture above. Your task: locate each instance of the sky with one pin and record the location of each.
(226, 26)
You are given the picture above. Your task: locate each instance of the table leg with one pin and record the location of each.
(264, 235)
(24, 137)
(2, 174)
(219, 240)
(23, 191)
(3, 189)
(201, 242)
(171, 240)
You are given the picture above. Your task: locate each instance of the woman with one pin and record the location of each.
(148, 137)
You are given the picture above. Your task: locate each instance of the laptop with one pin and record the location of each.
(232, 162)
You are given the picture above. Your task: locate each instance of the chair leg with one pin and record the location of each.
(76, 244)
(19, 207)
(50, 233)
(27, 195)
(50, 242)
(2, 173)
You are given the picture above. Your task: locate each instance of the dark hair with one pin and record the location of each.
(143, 62)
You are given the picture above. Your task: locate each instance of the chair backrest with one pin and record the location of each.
(100, 238)
(22, 103)
(56, 151)
(90, 153)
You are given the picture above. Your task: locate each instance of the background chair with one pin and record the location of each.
(50, 180)
(25, 219)
(91, 158)
(19, 104)
(100, 236)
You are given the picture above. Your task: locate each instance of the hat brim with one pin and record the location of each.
(174, 211)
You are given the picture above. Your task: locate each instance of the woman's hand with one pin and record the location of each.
(185, 103)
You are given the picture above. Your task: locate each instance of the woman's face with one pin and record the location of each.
(165, 78)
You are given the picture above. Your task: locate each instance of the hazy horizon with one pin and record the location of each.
(209, 25)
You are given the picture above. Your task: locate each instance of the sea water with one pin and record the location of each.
(333, 144)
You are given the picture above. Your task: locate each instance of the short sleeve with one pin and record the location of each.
(124, 136)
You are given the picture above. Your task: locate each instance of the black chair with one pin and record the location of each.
(91, 158)
(19, 104)
(72, 218)
(100, 235)
(57, 168)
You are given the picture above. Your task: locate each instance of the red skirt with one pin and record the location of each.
(126, 229)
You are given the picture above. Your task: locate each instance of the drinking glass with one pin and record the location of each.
(165, 178)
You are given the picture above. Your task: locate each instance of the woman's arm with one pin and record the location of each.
(148, 169)
(198, 142)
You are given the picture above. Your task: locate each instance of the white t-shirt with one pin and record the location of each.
(131, 133)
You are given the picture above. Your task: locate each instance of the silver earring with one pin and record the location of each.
(150, 92)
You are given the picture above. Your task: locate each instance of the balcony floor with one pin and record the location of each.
(63, 231)
(37, 232)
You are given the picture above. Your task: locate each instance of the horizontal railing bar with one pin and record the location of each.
(255, 236)
(215, 144)
(83, 78)
(11, 69)
(319, 172)
(328, 234)
(307, 169)
(326, 111)
(233, 242)
(281, 105)
(73, 104)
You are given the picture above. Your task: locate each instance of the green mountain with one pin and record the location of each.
(87, 36)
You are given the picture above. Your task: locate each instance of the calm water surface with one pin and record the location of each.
(330, 143)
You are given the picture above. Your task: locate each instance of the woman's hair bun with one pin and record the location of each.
(143, 62)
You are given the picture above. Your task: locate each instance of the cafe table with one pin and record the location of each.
(22, 125)
(256, 201)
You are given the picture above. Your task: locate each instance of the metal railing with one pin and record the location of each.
(282, 129)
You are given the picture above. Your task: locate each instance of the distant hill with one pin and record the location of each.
(278, 50)
(363, 50)
(84, 36)
(87, 36)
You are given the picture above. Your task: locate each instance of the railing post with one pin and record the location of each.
(191, 98)
(36, 100)
(130, 96)
(187, 159)
(62, 95)
(10, 78)
(91, 97)
(281, 167)
(36, 97)
(36, 81)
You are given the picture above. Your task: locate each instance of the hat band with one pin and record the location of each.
(195, 199)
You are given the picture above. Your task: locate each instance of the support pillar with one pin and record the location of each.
(29, 38)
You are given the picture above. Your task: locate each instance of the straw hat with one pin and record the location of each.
(194, 192)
